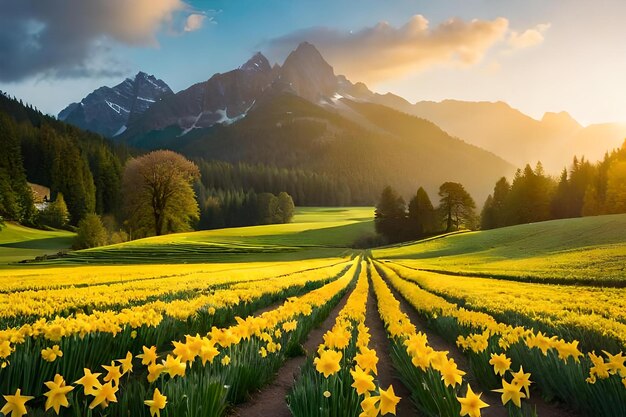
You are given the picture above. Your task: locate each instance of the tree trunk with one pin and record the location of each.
(158, 223)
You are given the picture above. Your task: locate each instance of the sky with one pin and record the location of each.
(536, 55)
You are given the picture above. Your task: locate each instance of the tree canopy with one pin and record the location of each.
(456, 206)
(421, 216)
(90, 233)
(158, 193)
(390, 215)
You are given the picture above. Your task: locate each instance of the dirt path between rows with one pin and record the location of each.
(270, 401)
(387, 374)
(496, 408)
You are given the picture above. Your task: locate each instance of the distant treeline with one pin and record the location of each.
(307, 188)
(397, 223)
(586, 189)
(236, 208)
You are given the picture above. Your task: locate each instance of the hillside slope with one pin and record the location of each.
(19, 242)
(314, 232)
(564, 250)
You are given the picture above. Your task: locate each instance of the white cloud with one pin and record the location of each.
(383, 51)
(194, 22)
(529, 37)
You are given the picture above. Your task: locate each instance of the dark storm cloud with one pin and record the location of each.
(71, 38)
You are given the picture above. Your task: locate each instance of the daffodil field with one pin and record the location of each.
(197, 340)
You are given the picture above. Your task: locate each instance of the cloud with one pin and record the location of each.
(528, 38)
(194, 22)
(69, 38)
(380, 52)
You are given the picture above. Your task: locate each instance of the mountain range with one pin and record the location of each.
(109, 110)
(302, 115)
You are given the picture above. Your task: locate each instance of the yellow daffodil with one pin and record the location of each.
(57, 394)
(126, 363)
(522, 379)
(51, 354)
(208, 351)
(615, 363)
(511, 392)
(450, 374)
(328, 362)
(369, 407)
(388, 401)
(103, 395)
(16, 404)
(154, 370)
(89, 382)
(363, 381)
(566, 350)
(471, 403)
(182, 351)
(500, 363)
(114, 374)
(290, 326)
(174, 366)
(226, 360)
(367, 360)
(148, 356)
(157, 403)
(5, 349)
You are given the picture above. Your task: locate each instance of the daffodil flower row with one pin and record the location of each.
(536, 345)
(49, 302)
(422, 355)
(351, 318)
(104, 389)
(560, 306)
(508, 335)
(151, 314)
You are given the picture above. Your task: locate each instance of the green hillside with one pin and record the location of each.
(314, 232)
(590, 248)
(19, 242)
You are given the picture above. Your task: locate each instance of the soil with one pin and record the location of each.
(387, 374)
(270, 401)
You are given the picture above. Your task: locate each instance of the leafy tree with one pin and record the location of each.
(616, 188)
(286, 207)
(56, 214)
(488, 214)
(158, 193)
(90, 233)
(456, 206)
(390, 215)
(592, 203)
(268, 209)
(530, 196)
(421, 216)
(495, 210)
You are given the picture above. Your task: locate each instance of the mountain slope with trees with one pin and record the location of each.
(82, 166)
(285, 131)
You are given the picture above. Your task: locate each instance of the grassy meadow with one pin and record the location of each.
(20, 242)
(313, 233)
(571, 250)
